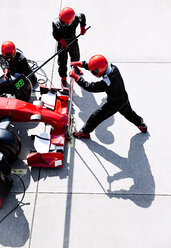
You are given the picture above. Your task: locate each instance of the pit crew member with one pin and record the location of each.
(64, 31)
(12, 61)
(117, 97)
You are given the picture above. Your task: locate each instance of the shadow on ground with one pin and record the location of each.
(14, 230)
(135, 166)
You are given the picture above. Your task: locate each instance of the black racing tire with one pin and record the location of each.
(10, 145)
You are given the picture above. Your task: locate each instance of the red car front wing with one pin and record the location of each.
(20, 111)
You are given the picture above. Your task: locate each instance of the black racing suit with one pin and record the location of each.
(18, 65)
(68, 33)
(117, 98)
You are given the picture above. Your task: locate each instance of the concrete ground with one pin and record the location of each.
(114, 190)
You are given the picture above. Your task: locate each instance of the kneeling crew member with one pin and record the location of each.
(12, 61)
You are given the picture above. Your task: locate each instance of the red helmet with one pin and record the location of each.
(67, 16)
(8, 49)
(97, 65)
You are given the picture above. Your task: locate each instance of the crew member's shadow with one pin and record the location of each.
(87, 105)
(136, 166)
(14, 229)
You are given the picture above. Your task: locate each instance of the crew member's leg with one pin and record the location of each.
(74, 52)
(101, 114)
(131, 116)
(62, 63)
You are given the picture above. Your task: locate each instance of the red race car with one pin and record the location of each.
(53, 110)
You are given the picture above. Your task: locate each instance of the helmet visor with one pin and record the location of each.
(95, 72)
(65, 23)
(9, 56)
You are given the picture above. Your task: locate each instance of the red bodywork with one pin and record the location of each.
(20, 111)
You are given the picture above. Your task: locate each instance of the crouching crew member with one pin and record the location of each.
(64, 31)
(117, 97)
(12, 61)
